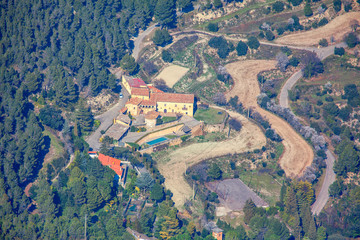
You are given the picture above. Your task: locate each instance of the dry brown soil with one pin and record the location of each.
(172, 74)
(337, 28)
(297, 153)
(172, 167)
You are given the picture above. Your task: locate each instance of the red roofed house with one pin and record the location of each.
(146, 98)
(113, 163)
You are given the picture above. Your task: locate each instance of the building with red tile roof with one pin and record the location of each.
(146, 98)
(113, 163)
(142, 93)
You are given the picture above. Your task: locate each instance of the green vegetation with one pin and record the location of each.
(56, 143)
(210, 115)
(161, 37)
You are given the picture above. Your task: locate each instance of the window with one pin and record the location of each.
(165, 104)
(175, 105)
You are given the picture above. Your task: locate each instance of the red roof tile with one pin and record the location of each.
(113, 163)
(134, 101)
(173, 97)
(123, 110)
(136, 83)
(152, 115)
(150, 102)
(154, 89)
(140, 91)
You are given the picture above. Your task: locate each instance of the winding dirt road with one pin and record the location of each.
(173, 166)
(297, 153)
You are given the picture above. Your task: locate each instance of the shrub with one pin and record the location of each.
(323, 42)
(323, 22)
(339, 51)
(294, 61)
(213, 27)
(235, 124)
(278, 6)
(217, 4)
(307, 10)
(269, 35)
(295, 2)
(351, 40)
(241, 48)
(161, 37)
(347, 7)
(51, 117)
(253, 42)
(166, 56)
(280, 30)
(337, 5)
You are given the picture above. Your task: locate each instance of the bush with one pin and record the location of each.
(217, 4)
(278, 6)
(213, 27)
(241, 48)
(323, 42)
(339, 51)
(347, 7)
(161, 37)
(269, 35)
(166, 56)
(235, 124)
(253, 42)
(280, 30)
(294, 61)
(51, 117)
(351, 40)
(337, 5)
(307, 10)
(323, 22)
(295, 2)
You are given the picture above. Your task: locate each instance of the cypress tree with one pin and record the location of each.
(84, 117)
(249, 210)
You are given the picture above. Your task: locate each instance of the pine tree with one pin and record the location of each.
(84, 117)
(249, 210)
(214, 172)
(165, 12)
(312, 230)
(321, 233)
(169, 228)
(94, 198)
(290, 201)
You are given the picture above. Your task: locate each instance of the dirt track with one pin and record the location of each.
(337, 28)
(297, 153)
(250, 138)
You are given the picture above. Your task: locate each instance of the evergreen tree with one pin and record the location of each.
(157, 192)
(94, 198)
(290, 201)
(321, 233)
(307, 10)
(165, 12)
(169, 228)
(249, 210)
(214, 172)
(312, 229)
(84, 117)
(241, 48)
(128, 64)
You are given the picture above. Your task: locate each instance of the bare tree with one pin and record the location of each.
(283, 61)
(219, 98)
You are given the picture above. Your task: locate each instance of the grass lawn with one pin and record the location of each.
(168, 119)
(56, 143)
(210, 115)
(264, 183)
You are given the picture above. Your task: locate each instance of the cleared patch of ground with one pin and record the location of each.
(337, 28)
(233, 194)
(173, 166)
(210, 115)
(297, 154)
(172, 74)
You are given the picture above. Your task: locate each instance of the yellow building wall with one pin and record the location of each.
(126, 84)
(183, 108)
(133, 109)
(141, 97)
